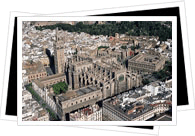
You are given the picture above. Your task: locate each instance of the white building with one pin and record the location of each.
(153, 88)
(92, 113)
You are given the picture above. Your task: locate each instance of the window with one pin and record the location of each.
(121, 78)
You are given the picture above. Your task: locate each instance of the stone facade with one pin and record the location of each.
(34, 70)
(114, 114)
(103, 72)
(145, 62)
(90, 78)
(59, 57)
(75, 99)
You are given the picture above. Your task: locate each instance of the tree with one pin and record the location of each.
(60, 87)
(136, 28)
(102, 47)
(137, 47)
(165, 73)
(145, 81)
(133, 48)
(123, 47)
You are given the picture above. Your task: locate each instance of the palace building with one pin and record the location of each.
(146, 62)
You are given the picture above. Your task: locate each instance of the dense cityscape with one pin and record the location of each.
(97, 71)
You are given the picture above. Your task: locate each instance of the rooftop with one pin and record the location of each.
(146, 59)
(52, 77)
(33, 67)
(72, 94)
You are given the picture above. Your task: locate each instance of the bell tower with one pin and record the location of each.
(59, 58)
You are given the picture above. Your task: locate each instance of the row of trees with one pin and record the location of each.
(60, 87)
(34, 94)
(102, 47)
(135, 28)
(40, 101)
(52, 115)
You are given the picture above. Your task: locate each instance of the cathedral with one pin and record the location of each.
(84, 70)
(90, 77)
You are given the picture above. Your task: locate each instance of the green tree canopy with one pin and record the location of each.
(135, 28)
(123, 47)
(102, 47)
(165, 73)
(60, 87)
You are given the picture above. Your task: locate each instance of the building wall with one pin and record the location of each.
(110, 113)
(59, 60)
(55, 80)
(139, 67)
(45, 61)
(36, 76)
(95, 116)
